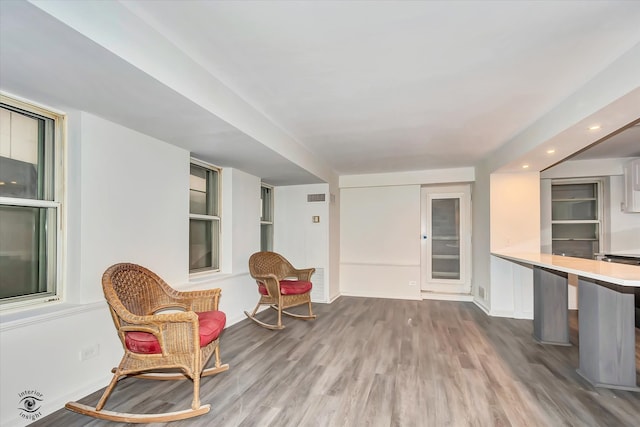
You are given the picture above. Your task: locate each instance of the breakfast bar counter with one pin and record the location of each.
(606, 311)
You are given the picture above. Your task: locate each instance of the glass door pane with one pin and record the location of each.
(569, 210)
(23, 249)
(445, 239)
(203, 241)
(574, 191)
(575, 231)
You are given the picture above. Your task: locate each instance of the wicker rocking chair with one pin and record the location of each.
(173, 345)
(280, 286)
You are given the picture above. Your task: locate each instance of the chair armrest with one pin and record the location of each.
(175, 332)
(270, 281)
(265, 276)
(304, 274)
(201, 300)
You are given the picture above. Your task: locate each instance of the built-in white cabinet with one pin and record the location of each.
(632, 186)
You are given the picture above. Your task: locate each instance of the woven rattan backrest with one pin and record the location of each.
(262, 263)
(136, 288)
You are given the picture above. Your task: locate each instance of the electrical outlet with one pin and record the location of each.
(90, 352)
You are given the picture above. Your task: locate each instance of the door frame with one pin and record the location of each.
(460, 286)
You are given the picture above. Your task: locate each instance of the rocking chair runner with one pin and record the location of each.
(156, 344)
(280, 286)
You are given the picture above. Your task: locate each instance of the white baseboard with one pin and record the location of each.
(528, 315)
(334, 298)
(502, 313)
(447, 297)
(482, 307)
(355, 294)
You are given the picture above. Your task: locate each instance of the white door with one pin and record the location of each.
(446, 239)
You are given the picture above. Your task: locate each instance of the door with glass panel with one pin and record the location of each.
(446, 239)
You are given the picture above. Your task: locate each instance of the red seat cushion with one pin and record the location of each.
(211, 325)
(289, 287)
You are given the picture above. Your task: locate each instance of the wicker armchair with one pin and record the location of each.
(166, 334)
(280, 286)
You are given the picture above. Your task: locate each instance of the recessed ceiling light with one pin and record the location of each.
(525, 166)
(594, 127)
(551, 151)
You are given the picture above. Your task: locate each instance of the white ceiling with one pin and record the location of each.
(623, 144)
(367, 87)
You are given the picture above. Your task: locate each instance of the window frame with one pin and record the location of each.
(266, 221)
(599, 222)
(215, 219)
(51, 199)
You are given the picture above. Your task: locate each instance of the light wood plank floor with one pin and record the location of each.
(374, 362)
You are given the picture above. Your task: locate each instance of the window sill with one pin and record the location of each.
(44, 313)
(196, 280)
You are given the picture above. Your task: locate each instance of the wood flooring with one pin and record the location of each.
(375, 362)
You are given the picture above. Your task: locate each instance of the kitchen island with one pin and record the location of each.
(606, 313)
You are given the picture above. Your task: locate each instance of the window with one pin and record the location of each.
(266, 218)
(576, 218)
(30, 195)
(204, 218)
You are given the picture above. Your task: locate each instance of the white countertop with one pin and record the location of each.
(620, 274)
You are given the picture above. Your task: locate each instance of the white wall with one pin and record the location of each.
(296, 237)
(380, 241)
(43, 354)
(127, 200)
(334, 242)
(515, 227)
(240, 219)
(240, 238)
(380, 230)
(481, 238)
(422, 177)
(515, 212)
(129, 179)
